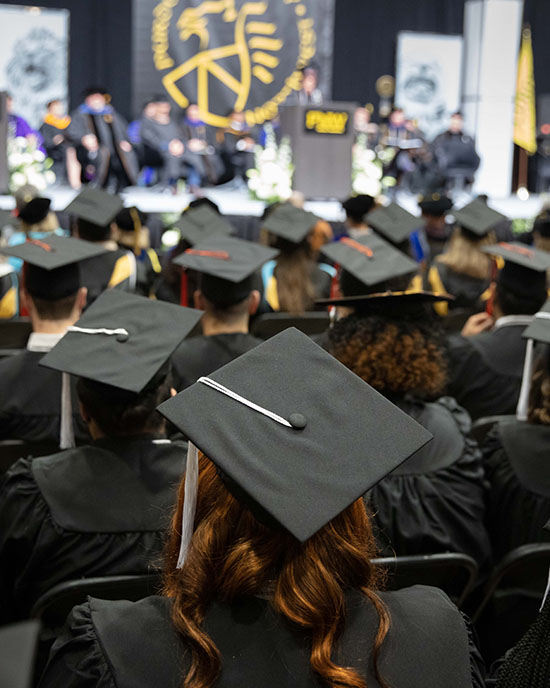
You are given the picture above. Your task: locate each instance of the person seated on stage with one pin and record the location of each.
(357, 208)
(162, 135)
(434, 209)
(93, 212)
(272, 582)
(200, 220)
(52, 295)
(227, 277)
(435, 501)
(486, 360)
(515, 461)
(19, 127)
(364, 128)
(131, 233)
(463, 269)
(102, 147)
(236, 143)
(402, 229)
(455, 154)
(199, 141)
(100, 509)
(293, 281)
(56, 142)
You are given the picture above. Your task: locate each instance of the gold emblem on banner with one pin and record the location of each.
(257, 45)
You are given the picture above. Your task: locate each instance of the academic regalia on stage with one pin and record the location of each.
(96, 510)
(486, 368)
(134, 645)
(517, 467)
(202, 355)
(435, 501)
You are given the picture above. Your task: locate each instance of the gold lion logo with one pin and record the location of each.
(255, 45)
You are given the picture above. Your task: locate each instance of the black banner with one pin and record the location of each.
(229, 55)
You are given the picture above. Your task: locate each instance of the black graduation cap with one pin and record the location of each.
(520, 254)
(95, 206)
(390, 303)
(35, 210)
(126, 219)
(358, 206)
(126, 340)
(369, 259)
(539, 329)
(394, 222)
(227, 266)
(524, 270)
(51, 265)
(435, 204)
(193, 232)
(290, 223)
(331, 449)
(18, 646)
(477, 217)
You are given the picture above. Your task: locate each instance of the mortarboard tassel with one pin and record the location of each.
(523, 401)
(189, 502)
(66, 430)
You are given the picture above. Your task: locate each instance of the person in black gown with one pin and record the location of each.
(271, 583)
(94, 211)
(102, 508)
(434, 502)
(486, 365)
(227, 294)
(516, 462)
(30, 396)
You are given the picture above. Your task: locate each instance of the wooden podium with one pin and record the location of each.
(322, 138)
(4, 174)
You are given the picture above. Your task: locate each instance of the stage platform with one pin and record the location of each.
(238, 202)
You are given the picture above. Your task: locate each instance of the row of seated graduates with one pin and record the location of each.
(450, 470)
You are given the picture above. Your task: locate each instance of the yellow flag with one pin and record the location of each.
(525, 134)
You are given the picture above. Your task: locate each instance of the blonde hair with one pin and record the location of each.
(464, 255)
(49, 224)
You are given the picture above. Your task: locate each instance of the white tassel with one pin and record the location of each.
(546, 593)
(66, 432)
(523, 401)
(189, 502)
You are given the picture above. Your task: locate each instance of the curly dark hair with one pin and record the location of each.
(397, 356)
(539, 397)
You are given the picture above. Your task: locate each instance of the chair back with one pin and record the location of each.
(452, 572)
(270, 324)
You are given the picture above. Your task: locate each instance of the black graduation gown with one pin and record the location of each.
(133, 645)
(96, 510)
(199, 356)
(518, 469)
(435, 501)
(112, 270)
(468, 291)
(486, 370)
(30, 401)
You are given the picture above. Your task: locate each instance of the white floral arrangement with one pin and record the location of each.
(27, 164)
(367, 169)
(271, 178)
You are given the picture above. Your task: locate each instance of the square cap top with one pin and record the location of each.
(390, 303)
(290, 223)
(18, 645)
(53, 252)
(226, 258)
(331, 449)
(207, 218)
(394, 222)
(477, 217)
(539, 329)
(520, 254)
(194, 233)
(95, 206)
(369, 258)
(141, 335)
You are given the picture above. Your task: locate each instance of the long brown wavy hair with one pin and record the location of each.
(539, 397)
(293, 274)
(232, 554)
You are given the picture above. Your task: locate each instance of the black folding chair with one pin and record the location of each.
(482, 426)
(11, 450)
(14, 333)
(270, 324)
(452, 572)
(512, 598)
(54, 606)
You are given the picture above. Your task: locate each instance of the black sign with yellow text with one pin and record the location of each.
(321, 121)
(227, 55)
